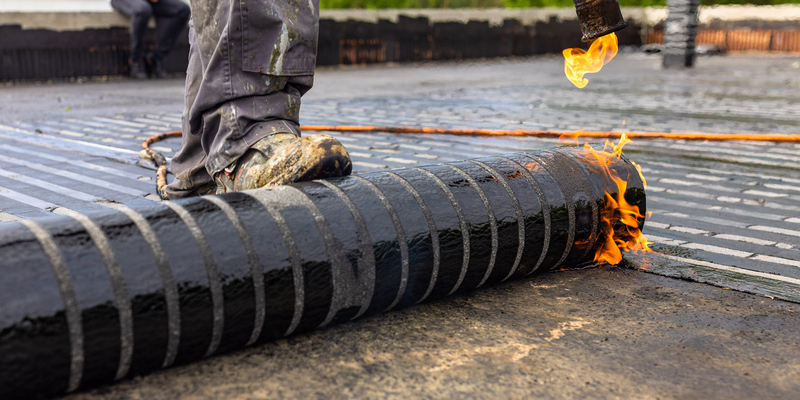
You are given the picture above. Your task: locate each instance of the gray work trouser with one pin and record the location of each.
(249, 64)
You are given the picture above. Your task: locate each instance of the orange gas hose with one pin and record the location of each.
(161, 162)
(770, 137)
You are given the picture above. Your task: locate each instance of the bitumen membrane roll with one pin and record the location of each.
(89, 299)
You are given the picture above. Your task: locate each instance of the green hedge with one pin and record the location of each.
(381, 4)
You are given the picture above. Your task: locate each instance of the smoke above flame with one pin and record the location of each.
(578, 62)
(619, 219)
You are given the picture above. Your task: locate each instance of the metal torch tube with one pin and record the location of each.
(598, 18)
(87, 299)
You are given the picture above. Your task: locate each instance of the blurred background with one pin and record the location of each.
(77, 39)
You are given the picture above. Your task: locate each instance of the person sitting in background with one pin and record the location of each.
(175, 13)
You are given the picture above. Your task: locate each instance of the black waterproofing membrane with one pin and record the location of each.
(89, 299)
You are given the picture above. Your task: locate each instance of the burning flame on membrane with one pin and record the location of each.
(619, 219)
(578, 62)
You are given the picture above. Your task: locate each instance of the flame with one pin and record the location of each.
(619, 219)
(578, 62)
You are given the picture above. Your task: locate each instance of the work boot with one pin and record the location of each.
(206, 189)
(284, 158)
(138, 69)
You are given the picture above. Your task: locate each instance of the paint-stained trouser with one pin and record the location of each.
(249, 64)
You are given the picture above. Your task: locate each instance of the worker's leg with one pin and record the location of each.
(250, 63)
(188, 165)
(175, 13)
(139, 11)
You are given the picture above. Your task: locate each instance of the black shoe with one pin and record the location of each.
(157, 66)
(137, 70)
(158, 69)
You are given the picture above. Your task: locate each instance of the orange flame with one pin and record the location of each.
(578, 62)
(619, 219)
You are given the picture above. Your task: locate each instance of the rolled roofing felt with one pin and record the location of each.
(88, 299)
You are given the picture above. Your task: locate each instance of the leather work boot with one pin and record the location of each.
(284, 158)
(209, 188)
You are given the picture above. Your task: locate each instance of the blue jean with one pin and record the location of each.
(249, 64)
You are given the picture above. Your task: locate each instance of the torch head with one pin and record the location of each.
(598, 18)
